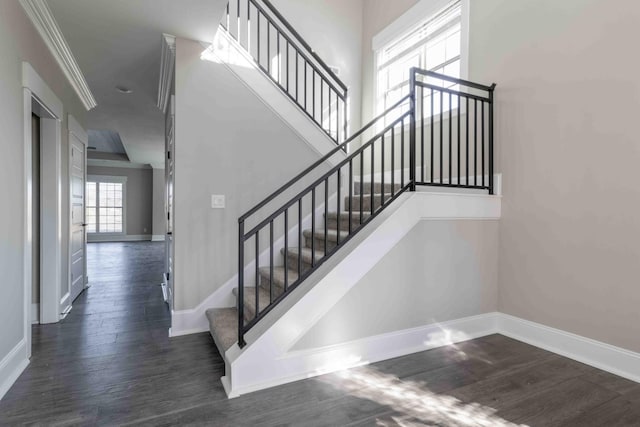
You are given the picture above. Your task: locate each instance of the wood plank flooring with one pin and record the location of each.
(110, 362)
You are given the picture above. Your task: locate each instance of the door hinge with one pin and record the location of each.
(169, 155)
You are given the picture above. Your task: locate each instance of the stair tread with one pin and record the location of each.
(306, 255)
(278, 275)
(223, 324)
(345, 214)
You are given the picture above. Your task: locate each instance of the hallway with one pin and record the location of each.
(110, 359)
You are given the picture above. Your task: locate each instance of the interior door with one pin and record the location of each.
(78, 241)
(169, 180)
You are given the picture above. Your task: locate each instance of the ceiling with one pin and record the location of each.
(118, 43)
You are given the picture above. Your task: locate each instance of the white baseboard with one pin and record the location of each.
(12, 366)
(320, 361)
(97, 238)
(157, 238)
(35, 313)
(615, 360)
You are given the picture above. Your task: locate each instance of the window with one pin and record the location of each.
(433, 44)
(105, 205)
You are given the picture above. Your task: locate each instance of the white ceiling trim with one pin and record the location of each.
(167, 65)
(42, 18)
(117, 164)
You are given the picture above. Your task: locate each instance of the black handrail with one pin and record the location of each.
(290, 63)
(391, 145)
(302, 41)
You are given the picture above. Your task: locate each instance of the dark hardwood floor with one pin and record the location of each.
(110, 362)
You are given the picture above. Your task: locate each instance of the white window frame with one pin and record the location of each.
(408, 22)
(112, 179)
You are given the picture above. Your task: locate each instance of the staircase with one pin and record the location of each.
(223, 322)
(418, 141)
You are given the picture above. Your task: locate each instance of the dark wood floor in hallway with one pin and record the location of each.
(110, 362)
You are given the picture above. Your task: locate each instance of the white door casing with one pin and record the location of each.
(169, 180)
(78, 141)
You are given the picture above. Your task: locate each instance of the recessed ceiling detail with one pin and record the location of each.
(106, 141)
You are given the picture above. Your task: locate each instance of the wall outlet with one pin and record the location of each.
(218, 201)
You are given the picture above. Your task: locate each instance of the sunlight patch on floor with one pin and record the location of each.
(413, 402)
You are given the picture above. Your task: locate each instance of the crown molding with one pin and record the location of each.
(167, 65)
(42, 18)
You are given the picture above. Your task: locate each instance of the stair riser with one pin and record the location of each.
(320, 244)
(344, 222)
(293, 263)
(366, 202)
(377, 188)
(278, 287)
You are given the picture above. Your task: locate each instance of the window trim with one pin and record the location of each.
(412, 19)
(118, 180)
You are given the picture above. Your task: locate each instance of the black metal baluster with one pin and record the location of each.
(482, 161)
(238, 22)
(361, 185)
(258, 36)
(422, 133)
(402, 153)
(313, 227)
(326, 213)
(372, 189)
(241, 241)
(269, 48)
(313, 93)
(467, 131)
(441, 137)
(450, 141)
(286, 249)
(339, 191)
(279, 57)
(459, 154)
(393, 161)
(322, 104)
(257, 262)
(288, 66)
(249, 26)
(300, 238)
(350, 195)
(270, 264)
(297, 76)
(475, 142)
(305, 86)
(228, 15)
(382, 170)
(491, 189)
(432, 138)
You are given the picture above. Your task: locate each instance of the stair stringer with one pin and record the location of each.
(225, 50)
(268, 361)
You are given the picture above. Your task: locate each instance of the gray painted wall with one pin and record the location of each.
(19, 42)
(440, 271)
(227, 142)
(159, 215)
(139, 204)
(568, 102)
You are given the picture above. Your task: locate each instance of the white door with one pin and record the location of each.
(78, 240)
(169, 179)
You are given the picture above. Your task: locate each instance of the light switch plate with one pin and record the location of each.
(217, 201)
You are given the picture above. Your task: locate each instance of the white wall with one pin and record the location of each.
(227, 142)
(19, 42)
(440, 271)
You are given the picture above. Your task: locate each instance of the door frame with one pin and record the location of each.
(75, 129)
(35, 89)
